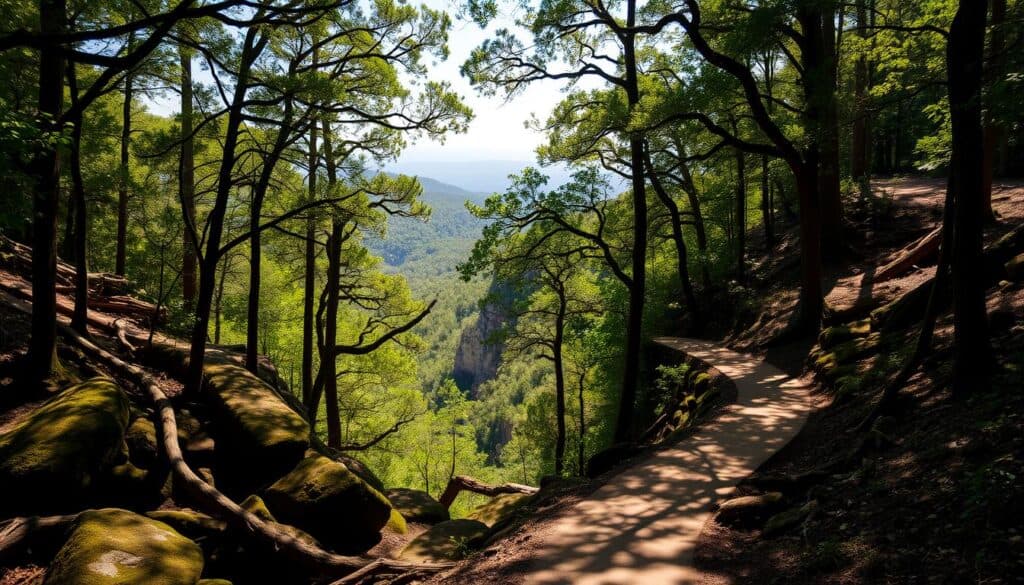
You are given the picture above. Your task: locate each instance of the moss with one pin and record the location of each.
(142, 442)
(112, 547)
(417, 506)
(448, 541)
(701, 383)
(840, 333)
(330, 502)
(262, 436)
(706, 401)
(396, 522)
(62, 447)
(255, 506)
(194, 525)
(1015, 268)
(498, 508)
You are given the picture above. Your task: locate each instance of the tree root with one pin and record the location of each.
(461, 483)
(312, 558)
(16, 531)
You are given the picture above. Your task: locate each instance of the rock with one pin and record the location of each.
(49, 460)
(396, 523)
(447, 541)
(747, 511)
(324, 498)
(192, 524)
(498, 508)
(701, 383)
(603, 461)
(417, 506)
(841, 333)
(115, 547)
(260, 437)
(255, 505)
(143, 450)
(784, 521)
(1015, 268)
(213, 582)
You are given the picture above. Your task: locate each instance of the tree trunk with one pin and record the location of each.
(309, 281)
(964, 59)
(682, 256)
(823, 116)
(80, 317)
(46, 196)
(581, 460)
(699, 229)
(993, 129)
(215, 223)
(328, 360)
(741, 216)
(122, 185)
(812, 301)
(766, 207)
(218, 301)
(187, 184)
(635, 318)
(556, 350)
(860, 147)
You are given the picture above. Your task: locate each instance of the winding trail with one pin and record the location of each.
(642, 526)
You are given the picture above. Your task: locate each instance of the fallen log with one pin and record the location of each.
(18, 531)
(913, 255)
(461, 483)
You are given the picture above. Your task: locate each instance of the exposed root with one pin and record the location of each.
(16, 531)
(461, 483)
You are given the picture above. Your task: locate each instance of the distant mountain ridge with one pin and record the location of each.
(477, 176)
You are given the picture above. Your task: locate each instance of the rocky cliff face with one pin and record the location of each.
(479, 354)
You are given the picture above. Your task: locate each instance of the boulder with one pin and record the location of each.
(833, 336)
(747, 511)
(52, 457)
(452, 540)
(143, 450)
(259, 437)
(417, 506)
(194, 525)
(114, 547)
(498, 508)
(213, 582)
(330, 502)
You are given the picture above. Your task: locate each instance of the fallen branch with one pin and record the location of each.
(16, 530)
(461, 483)
(913, 255)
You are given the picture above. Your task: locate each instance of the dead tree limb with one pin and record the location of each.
(16, 531)
(913, 255)
(461, 483)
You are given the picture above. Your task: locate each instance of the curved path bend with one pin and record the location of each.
(642, 526)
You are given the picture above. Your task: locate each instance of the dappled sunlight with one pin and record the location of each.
(643, 526)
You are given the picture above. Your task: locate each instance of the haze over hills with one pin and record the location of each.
(478, 176)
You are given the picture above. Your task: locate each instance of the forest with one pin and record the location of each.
(754, 312)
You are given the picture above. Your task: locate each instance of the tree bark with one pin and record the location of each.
(80, 317)
(46, 196)
(309, 281)
(461, 483)
(766, 206)
(120, 255)
(860, 147)
(964, 59)
(187, 184)
(556, 350)
(993, 129)
(328, 360)
(741, 216)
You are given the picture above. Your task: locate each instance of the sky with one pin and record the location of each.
(497, 131)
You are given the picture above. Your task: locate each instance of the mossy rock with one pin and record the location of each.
(747, 511)
(833, 336)
(213, 582)
(498, 508)
(143, 450)
(705, 401)
(114, 547)
(417, 506)
(844, 353)
(452, 540)
(260, 437)
(396, 523)
(194, 525)
(788, 519)
(50, 459)
(330, 502)
(701, 383)
(128, 486)
(257, 507)
(1015, 268)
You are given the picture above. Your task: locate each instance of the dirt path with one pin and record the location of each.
(642, 526)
